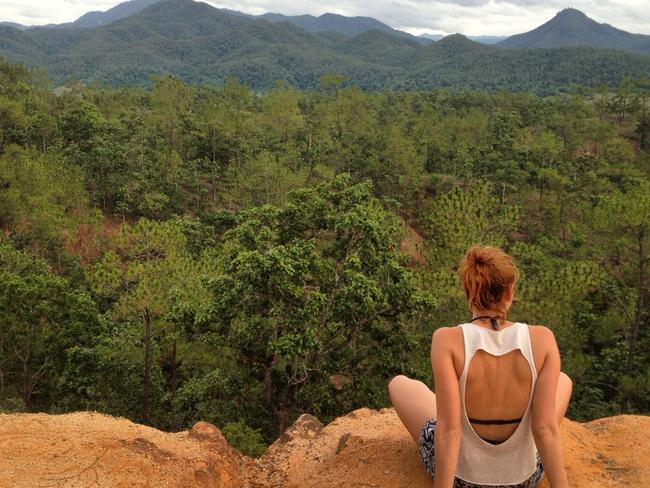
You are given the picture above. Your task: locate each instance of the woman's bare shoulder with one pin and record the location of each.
(449, 341)
(542, 334)
(542, 341)
(444, 334)
(447, 338)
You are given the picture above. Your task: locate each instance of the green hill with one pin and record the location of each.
(571, 27)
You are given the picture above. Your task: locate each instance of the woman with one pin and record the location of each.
(500, 395)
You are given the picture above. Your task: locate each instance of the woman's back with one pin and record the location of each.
(497, 387)
(494, 381)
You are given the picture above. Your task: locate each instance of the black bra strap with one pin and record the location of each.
(491, 422)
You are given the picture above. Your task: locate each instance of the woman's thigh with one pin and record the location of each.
(414, 403)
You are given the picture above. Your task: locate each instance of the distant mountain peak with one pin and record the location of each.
(120, 11)
(456, 40)
(572, 16)
(457, 37)
(571, 28)
(571, 12)
(456, 44)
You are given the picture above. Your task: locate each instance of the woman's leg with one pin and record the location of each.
(562, 396)
(414, 403)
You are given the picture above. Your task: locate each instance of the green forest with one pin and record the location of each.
(190, 252)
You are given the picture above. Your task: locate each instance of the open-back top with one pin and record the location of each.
(513, 460)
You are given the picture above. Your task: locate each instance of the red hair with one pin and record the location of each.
(486, 272)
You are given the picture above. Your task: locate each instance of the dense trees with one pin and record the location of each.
(186, 253)
(315, 297)
(43, 318)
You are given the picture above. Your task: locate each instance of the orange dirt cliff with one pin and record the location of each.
(366, 448)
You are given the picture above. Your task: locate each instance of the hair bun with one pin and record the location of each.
(477, 255)
(485, 272)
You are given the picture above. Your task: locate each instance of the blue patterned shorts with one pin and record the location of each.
(427, 452)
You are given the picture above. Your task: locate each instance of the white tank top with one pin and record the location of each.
(514, 460)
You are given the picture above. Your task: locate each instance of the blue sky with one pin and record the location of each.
(472, 17)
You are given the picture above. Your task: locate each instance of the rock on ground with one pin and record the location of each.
(365, 448)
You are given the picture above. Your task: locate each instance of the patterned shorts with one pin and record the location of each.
(427, 452)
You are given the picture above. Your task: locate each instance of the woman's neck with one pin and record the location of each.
(486, 313)
(492, 319)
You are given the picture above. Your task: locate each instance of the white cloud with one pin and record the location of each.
(473, 17)
(49, 11)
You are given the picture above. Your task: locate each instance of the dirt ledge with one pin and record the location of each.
(366, 448)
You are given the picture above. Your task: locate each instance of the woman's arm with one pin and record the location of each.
(448, 431)
(546, 429)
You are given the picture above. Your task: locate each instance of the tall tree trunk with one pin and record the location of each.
(175, 365)
(268, 381)
(4, 224)
(282, 414)
(638, 316)
(29, 382)
(147, 366)
(284, 409)
(2, 371)
(310, 159)
(25, 389)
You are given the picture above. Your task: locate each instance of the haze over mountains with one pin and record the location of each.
(353, 26)
(96, 18)
(199, 43)
(328, 22)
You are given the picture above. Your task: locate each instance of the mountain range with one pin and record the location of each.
(328, 22)
(568, 28)
(202, 44)
(349, 26)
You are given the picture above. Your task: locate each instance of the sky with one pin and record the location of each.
(470, 17)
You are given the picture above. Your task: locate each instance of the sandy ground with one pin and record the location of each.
(87, 449)
(365, 448)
